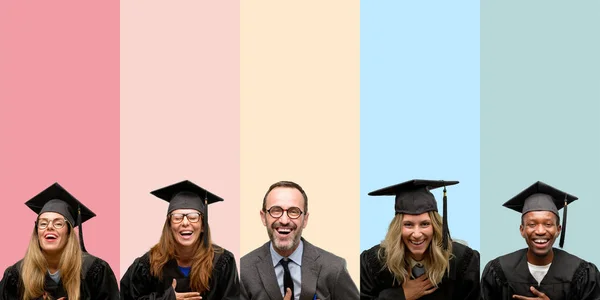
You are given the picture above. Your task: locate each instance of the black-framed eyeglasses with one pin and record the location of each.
(178, 218)
(57, 223)
(292, 212)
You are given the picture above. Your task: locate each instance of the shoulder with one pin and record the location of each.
(255, 254)
(224, 259)
(140, 265)
(464, 253)
(510, 260)
(370, 261)
(89, 259)
(325, 257)
(566, 257)
(494, 268)
(370, 256)
(12, 275)
(94, 267)
(14, 268)
(573, 264)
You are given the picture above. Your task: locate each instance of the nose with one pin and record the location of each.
(185, 221)
(417, 233)
(284, 218)
(540, 230)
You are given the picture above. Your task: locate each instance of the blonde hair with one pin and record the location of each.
(202, 262)
(34, 267)
(394, 252)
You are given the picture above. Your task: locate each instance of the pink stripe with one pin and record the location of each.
(59, 115)
(180, 115)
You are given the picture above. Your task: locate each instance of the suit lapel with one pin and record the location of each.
(267, 273)
(310, 271)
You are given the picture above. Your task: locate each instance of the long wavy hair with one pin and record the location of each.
(34, 267)
(202, 262)
(395, 253)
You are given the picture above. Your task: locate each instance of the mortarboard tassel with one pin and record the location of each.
(205, 220)
(564, 225)
(445, 233)
(80, 229)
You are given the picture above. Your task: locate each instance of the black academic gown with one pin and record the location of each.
(462, 283)
(569, 278)
(138, 282)
(97, 282)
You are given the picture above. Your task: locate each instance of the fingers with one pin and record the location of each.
(189, 296)
(174, 284)
(429, 291)
(538, 293)
(288, 294)
(522, 297)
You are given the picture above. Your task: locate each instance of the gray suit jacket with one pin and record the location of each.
(323, 274)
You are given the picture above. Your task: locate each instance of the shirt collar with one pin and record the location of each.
(296, 256)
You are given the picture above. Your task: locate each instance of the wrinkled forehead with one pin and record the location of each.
(285, 197)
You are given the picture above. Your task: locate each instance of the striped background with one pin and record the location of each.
(114, 99)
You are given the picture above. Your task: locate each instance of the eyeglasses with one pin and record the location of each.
(178, 218)
(56, 223)
(292, 212)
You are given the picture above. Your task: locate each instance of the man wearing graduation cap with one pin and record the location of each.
(56, 263)
(418, 259)
(289, 267)
(540, 271)
(185, 264)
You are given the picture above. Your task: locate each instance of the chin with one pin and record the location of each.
(284, 245)
(187, 243)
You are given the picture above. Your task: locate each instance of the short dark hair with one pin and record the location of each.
(285, 184)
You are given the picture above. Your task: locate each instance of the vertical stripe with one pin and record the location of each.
(179, 114)
(419, 109)
(540, 105)
(59, 116)
(300, 116)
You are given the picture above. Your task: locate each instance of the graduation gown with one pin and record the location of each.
(97, 281)
(569, 278)
(138, 282)
(376, 282)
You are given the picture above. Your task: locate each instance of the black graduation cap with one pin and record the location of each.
(56, 199)
(413, 197)
(187, 195)
(542, 197)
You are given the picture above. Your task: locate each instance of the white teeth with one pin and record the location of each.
(51, 236)
(186, 232)
(284, 230)
(540, 241)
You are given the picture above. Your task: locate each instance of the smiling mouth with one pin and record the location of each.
(284, 231)
(50, 236)
(186, 234)
(540, 241)
(417, 243)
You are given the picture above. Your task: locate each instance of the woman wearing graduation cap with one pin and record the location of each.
(56, 264)
(540, 271)
(417, 259)
(185, 264)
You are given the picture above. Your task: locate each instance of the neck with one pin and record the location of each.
(185, 256)
(53, 260)
(540, 260)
